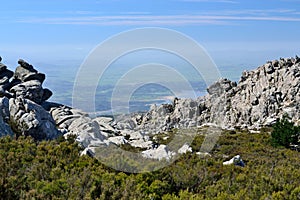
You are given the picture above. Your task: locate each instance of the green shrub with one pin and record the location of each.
(55, 170)
(284, 133)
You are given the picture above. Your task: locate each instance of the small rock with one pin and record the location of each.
(159, 153)
(184, 149)
(236, 160)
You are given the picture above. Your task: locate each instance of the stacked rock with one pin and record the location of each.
(20, 103)
(28, 83)
(24, 110)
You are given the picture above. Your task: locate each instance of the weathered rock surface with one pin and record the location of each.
(26, 72)
(4, 117)
(73, 122)
(162, 152)
(184, 149)
(20, 112)
(263, 95)
(29, 118)
(31, 90)
(27, 83)
(24, 111)
(258, 99)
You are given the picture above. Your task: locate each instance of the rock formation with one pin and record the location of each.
(28, 118)
(21, 99)
(27, 83)
(258, 99)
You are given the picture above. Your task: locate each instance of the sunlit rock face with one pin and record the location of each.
(258, 99)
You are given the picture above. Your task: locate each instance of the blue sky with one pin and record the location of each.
(249, 32)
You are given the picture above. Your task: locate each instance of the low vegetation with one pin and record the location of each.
(285, 133)
(54, 170)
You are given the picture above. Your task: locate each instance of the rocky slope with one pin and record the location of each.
(258, 99)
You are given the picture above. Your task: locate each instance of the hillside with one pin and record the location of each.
(54, 170)
(179, 147)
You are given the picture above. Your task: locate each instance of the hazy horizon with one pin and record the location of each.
(66, 30)
(57, 36)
